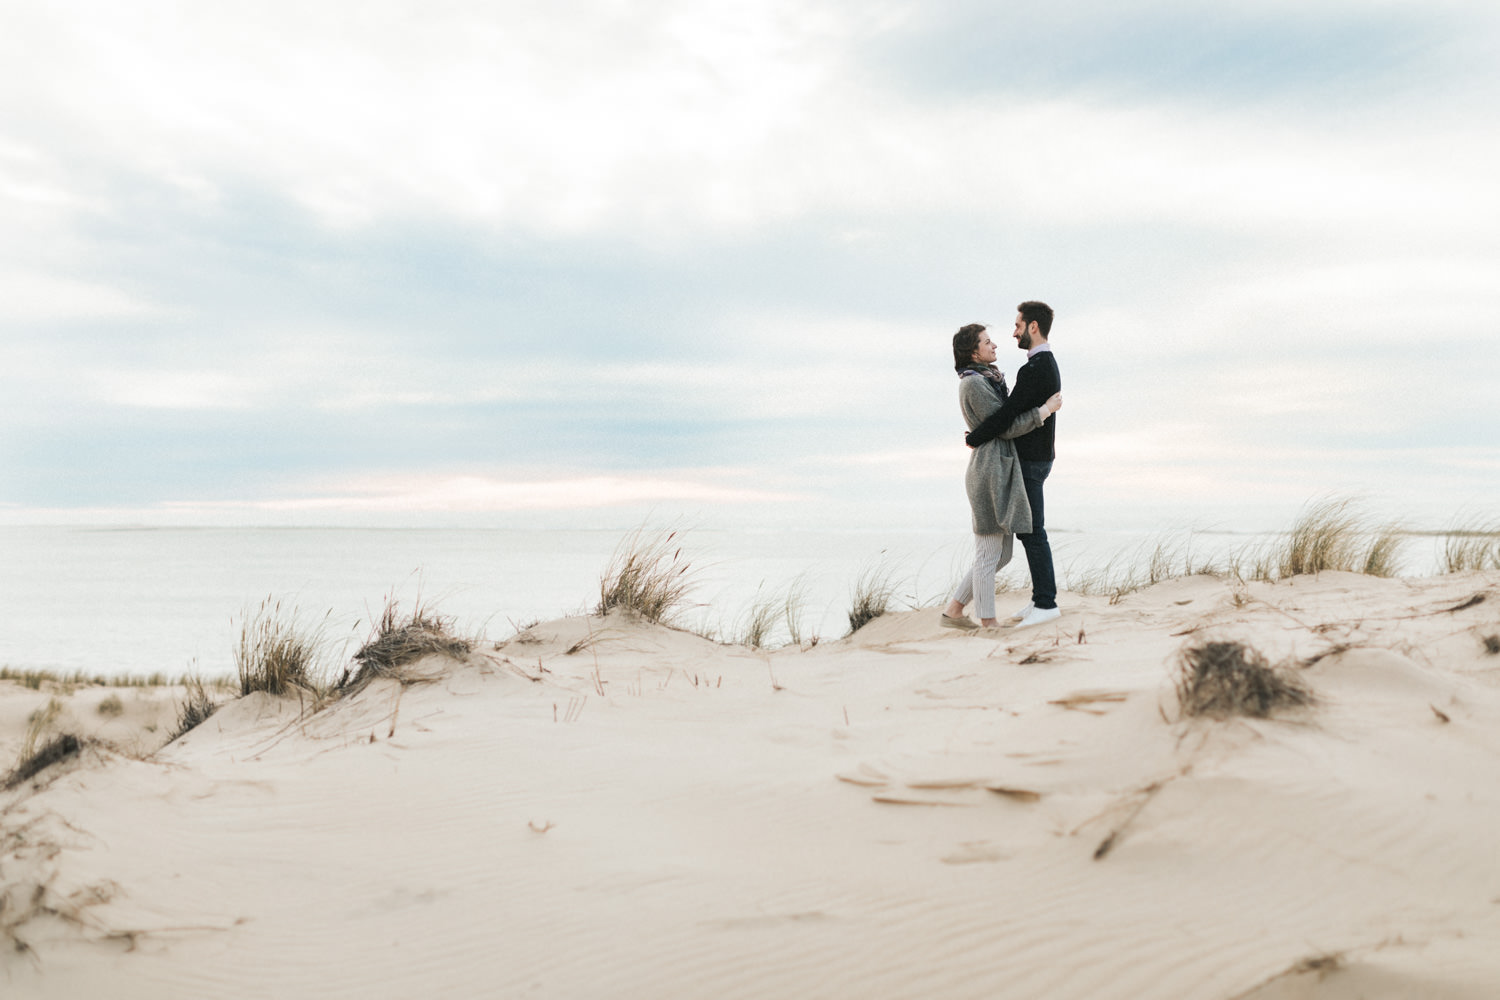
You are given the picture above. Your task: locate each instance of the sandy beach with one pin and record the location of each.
(601, 807)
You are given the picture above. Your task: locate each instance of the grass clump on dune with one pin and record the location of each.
(195, 708)
(275, 653)
(759, 621)
(871, 597)
(398, 641)
(1474, 546)
(1163, 559)
(39, 753)
(59, 748)
(34, 679)
(770, 609)
(1220, 679)
(647, 576)
(1330, 535)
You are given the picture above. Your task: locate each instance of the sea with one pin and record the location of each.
(118, 600)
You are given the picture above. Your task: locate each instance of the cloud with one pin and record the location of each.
(486, 493)
(33, 296)
(686, 119)
(254, 244)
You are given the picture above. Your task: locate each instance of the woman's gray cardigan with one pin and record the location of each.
(997, 496)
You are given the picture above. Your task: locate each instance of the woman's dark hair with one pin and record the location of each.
(965, 343)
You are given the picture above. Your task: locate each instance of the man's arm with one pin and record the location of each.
(1030, 392)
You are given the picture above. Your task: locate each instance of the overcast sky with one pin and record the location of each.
(328, 261)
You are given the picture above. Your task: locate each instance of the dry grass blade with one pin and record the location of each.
(399, 641)
(1220, 679)
(646, 577)
(1083, 700)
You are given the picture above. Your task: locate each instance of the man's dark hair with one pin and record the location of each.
(1039, 313)
(965, 343)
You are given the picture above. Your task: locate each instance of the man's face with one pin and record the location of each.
(1024, 333)
(985, 353)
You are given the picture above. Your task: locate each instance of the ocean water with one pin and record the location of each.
(135, 601)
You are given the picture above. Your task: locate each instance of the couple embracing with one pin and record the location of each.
(1012, 433)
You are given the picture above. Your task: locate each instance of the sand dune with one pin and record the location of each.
(908, 812)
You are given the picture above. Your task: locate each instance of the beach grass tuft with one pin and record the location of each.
(38, 751)
(35, 678)
(793, 601)
(647, 577)
(1161, 559)
(771, 609)
(398, 640)
(871, 597)
(59, 748)
(111, 707)
(1472, 546)
(1331, 535)
(758, 622)
(1220, 678)
(1382, 551)
(275, 653)
(194, 709)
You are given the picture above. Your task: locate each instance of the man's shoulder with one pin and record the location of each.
(1039, 364)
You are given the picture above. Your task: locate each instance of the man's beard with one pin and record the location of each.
(1024, 341)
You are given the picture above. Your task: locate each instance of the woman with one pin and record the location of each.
(997, 496)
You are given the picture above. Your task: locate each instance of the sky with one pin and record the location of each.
(590, 261)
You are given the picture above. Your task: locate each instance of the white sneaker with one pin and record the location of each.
(1037, 616)
(1023, 612)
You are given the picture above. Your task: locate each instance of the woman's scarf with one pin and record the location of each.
(995, 376)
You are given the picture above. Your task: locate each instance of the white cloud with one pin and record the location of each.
(703, 126)
(33, 296)
(687, 117)
(488, 493)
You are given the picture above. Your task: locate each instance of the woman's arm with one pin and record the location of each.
(1011, 422)
(1036, 381)
(1026, 423)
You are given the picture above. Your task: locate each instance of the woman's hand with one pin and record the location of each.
(1054, 404)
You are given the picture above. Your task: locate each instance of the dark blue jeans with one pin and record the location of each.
(1038, 552)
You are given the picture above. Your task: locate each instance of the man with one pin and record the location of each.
(1035, 382)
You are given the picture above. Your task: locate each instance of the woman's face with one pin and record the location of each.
(984, 354)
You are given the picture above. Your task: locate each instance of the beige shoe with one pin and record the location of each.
(963, 624)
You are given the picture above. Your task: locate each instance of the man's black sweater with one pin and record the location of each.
(1037, 380)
